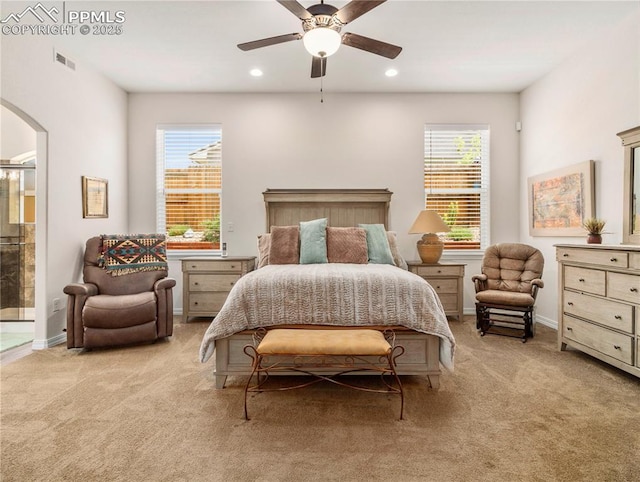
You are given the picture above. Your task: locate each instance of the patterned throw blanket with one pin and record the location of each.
(331, 294)
(126, 254)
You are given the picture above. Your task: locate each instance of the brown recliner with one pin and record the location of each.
(506, 290)
(110, 310)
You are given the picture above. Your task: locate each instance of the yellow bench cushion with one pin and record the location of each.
(324, 342)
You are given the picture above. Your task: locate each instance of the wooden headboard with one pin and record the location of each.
(341, 207)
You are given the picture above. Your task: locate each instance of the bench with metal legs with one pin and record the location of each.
(324, 354)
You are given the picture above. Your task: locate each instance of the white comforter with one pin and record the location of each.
(331, 294)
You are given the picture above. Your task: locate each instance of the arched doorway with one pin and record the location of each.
(23, 316)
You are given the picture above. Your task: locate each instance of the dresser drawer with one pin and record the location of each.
(207, 282)
(585, 279)
(608, 342)
(207, 302)
(606, 312)
(634, 260)
(439, 270)
(210, 265)
(624, 287)
(445, 285)
(604, 258)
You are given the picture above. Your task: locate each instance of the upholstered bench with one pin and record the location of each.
(341, 351)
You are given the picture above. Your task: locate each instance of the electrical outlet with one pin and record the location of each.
(230, 227)
(56, 304)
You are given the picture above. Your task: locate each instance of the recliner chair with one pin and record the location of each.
(110, 310)
(506, 290)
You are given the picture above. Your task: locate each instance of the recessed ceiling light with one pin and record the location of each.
(256, 72)
(391, 73)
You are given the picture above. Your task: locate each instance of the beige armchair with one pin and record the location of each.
(110, 310)
(506, 290)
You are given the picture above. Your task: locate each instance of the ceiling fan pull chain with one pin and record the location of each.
(321, 79)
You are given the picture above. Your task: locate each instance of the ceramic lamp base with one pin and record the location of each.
(430, 248)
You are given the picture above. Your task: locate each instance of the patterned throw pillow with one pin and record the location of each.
(285, 245)
(347, 245)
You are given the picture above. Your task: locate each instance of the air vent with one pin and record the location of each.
(64, 60)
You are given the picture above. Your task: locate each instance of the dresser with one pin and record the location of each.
(206, 282)
(447, 280)
(599, 302)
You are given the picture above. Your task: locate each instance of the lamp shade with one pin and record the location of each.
(429, 222)
(322, 41)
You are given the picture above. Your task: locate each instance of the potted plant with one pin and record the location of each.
(594, 227)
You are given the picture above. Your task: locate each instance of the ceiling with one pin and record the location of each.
(451, 46)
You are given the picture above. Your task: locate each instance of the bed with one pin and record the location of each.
(321, 295)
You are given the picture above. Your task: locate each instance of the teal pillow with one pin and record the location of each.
(378, 244)
(313, 241)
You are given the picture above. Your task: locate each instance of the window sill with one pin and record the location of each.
(192, 253)
(462, 254)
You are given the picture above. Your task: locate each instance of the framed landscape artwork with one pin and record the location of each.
(560, 200)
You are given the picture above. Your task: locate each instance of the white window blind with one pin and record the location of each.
(189, 185)
(456, 182)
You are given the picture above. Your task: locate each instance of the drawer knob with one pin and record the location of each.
(231, 284)
(565, 255)
(633, 290)
(617, 347)
(195, 302)
(569, 328)
(193, 267)
(618, 317)
(439, 271)
(570, 303)
(196, 283)
(233, 266)
(581, 280)
(613, 260)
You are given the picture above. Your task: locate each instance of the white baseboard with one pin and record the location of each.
(49, 342)
(546, 322)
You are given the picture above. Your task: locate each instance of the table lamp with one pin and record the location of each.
(430, 247)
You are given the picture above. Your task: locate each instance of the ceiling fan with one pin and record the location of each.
(321, 24)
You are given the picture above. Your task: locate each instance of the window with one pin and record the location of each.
(456, 182)
(189, 185)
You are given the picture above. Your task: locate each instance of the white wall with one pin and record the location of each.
(572, 115)
(349, 141)
(16, 136)
(85, 119)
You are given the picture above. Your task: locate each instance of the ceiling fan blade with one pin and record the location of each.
(371, 45)
(356, 8)
(296, 9)
(265, 42)
(318, 67)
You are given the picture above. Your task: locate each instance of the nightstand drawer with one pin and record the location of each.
(611, 343)
(207, 302)
(585, 279)
(439, 270)
(210, 265)
(444, 285)
(205, 282)
(449, 301)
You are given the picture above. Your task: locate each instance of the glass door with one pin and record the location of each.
(17, 253)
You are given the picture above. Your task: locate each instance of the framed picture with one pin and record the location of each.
(560, 200)
(95, 197)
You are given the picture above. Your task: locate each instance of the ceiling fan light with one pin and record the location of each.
(322, 41)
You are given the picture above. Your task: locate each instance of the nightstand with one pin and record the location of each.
(447, 280)
(206, 282)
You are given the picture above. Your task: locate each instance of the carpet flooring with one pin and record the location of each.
(509, 412)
